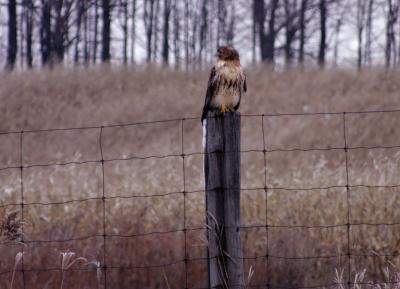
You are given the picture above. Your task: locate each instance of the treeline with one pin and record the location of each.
(185, 33)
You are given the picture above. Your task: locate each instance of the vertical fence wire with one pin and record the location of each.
(184, 202)
(104, 208)
(266, 204)
(21, 143)
(348, 202)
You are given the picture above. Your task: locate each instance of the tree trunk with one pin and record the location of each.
(165, 48)
(290, 31)
(260, 16)
(390, 50)
(231, 28)
(22, 18)
(398, 34)
(177, 31)
(322, 42)
(360, 31)
(95, 36)
(60, 37)
(254, 34)
(221, 34)
(12, 48)
(193, 39)
(203, 29)
(389, 32)
(270, 39)
(78, 30)
(267, 40)
(155, 30)
(148, 18)
(125, 32)
(368, 42)
(29, 32)
(106, 32)
(133, 31)
(302, 27)
(45, 32)
(86, 55)
(186, 34)
(338, 28)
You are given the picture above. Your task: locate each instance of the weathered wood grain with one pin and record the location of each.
(222, 180)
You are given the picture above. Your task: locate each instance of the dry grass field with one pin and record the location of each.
(83, 98)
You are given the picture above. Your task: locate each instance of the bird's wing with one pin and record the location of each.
(211, 88)
(241, 92)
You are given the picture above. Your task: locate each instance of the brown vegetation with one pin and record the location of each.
(74, 98)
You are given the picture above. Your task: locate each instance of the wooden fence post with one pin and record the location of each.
(222, 181)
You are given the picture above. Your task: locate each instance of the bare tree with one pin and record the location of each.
(148, 19)
(254, 32)
(124, 8)
(302, 27)
(30, 10)
(230, 33)
(86, 53)
(133, 30)
(291, 28)
(95, 31)
(338, 28)
(165, 47)
(361, 14)
(392, 16)
(221, 27)
(81, 8)
(21, 34)
(106, 31)
(186, 32)
(12, 47)
(45, 32)
(54, 30)
(260, 15)
(267, 38)
(177, 32)
(322, 42)
(60, 35)
(156, 30)
(203, 29)
(271, 36)
(195, 17)
(368, 41)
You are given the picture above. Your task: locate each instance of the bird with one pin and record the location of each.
(226, 84)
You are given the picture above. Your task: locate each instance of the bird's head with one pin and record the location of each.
(227, 53)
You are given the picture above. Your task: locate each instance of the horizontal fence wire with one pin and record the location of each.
(100, 161)
(196, 118)
(104, 236)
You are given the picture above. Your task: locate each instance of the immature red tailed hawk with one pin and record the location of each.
(227, 83)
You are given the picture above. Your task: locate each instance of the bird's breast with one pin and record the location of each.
(229, 80)
(226, 96)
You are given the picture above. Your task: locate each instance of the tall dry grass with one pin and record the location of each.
(73, 98)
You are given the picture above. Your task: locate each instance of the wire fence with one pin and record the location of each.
(268, 256)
